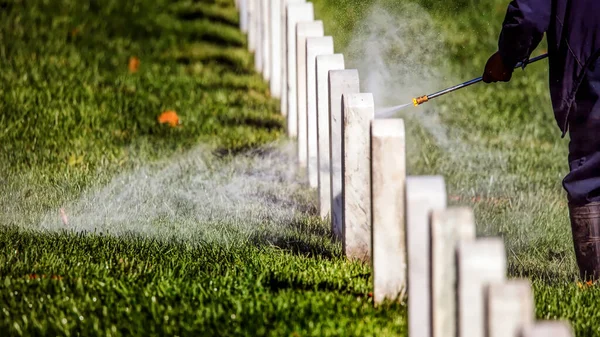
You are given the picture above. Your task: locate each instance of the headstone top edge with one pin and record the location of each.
(298, 6)
(420, 187)
(388, 128)
(345, 74)
(316, 41)
(309, 25)
(339, 58)
(358, 100)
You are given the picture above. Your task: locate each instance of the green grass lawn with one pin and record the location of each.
(166, 233)
(185, 239)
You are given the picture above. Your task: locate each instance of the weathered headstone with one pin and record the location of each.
(424, 194)
(388, 178)
(448, 227)
(284, 52)
(276, 29)
(479, 263)
(304, 30)
(296, 12)
(315, 46)
(548, 329)
(325, 63)
(266, 38)
(358, 112)
(510, 307)
(340, 82)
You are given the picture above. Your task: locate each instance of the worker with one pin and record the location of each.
(572, 29)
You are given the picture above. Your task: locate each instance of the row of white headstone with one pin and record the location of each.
(418, 247)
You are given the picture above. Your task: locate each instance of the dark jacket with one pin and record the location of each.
(572, 29)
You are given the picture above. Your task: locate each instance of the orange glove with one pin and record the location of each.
(496, 70)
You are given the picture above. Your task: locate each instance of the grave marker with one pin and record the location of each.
(304, 30)
(358, 112)
(388, 177)
(479, 263)
(510, 307)
(448, 227)
(251, 26)
(284, 52)
(325, 63)
(258, 44)
(266, 39)
(315, 46)
(340, 82)
(424, 194)
(276, 30)
(296, 12)
(243, 7)
(548, 329)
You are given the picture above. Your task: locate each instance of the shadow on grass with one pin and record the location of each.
(277, 282)
(296, 245)
(239, 67)
(260, 122)
(541, 274)
(199, 14)
(306, 236)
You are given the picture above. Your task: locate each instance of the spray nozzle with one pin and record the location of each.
(420, 100)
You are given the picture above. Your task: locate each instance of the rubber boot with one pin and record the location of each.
(585, 225)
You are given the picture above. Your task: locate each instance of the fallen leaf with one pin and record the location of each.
(134, 64)
(169, 117)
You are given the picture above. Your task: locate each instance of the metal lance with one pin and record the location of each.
(420, 100)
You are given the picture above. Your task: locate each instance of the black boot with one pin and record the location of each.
(585, 224)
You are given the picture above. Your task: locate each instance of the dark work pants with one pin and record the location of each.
(583, 182)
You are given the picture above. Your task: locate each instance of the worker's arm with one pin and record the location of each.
(524, 25)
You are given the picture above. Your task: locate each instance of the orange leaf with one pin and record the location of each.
(169, 117)
(134, 64)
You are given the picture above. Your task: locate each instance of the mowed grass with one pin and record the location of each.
(74, 118)
(500, 151)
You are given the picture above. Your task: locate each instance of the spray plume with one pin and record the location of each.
(193, 196)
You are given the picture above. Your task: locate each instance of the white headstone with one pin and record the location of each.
(479, 263)
(510, 307)
(266, 38)
(304, 30)
(315, 46)
(284, 52)
(243, 7)
(258, 44)
(340, 82)
(325, 63)
(358, 112)
(388, 178)
(448, 227)
(548, 329)
(251, 25)
(423, 195)
(275, 66)
(296, 12)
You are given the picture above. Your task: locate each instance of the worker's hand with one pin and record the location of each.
(496, 70)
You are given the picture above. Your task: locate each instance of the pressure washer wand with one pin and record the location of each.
(420, 100)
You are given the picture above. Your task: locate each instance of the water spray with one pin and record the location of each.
(423, 99)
